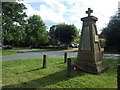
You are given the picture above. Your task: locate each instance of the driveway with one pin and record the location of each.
(29, 54)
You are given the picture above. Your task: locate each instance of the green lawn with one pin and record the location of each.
(29, 74)
(9, 52)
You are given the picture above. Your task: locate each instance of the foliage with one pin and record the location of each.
(63, 33)
(52, 39)
(104, 32)
(113, 36)
(112, 33)
(30, 74)
(36, 33)
(13, 22)
(20, 32)
(102, 42)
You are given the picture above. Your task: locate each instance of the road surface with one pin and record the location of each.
(29, 53)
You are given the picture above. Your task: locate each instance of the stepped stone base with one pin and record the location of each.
(94, 68)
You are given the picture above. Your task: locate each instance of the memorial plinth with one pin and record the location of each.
(90, 53)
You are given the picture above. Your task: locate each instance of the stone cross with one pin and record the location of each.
(89, 12)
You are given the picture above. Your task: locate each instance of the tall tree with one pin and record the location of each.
(65, 33)
(52, 39)
(36, 33)
(113, 36)
(13, 22)
(112, 33)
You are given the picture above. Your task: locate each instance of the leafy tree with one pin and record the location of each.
(112, 33)
(13, 22)
(103, 33)
(36, 33)
(52, 39)
(65, 33)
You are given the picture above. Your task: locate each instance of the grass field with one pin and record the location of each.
(30, 74)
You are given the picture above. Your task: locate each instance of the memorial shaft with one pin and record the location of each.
(89, 53)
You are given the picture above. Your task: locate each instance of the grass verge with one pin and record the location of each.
(29, 74)
(9, 52)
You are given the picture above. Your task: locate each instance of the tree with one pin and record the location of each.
(36, 33)
(65, 34)
(13, 22)
(103, 33)
(112, 33)
(52, 39)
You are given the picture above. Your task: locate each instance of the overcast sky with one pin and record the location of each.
(70, 11)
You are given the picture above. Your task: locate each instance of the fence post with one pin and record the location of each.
(69, 67)
(65, 57)
(118, 76)
(44, 61)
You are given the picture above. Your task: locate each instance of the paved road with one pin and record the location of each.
(28, 53)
